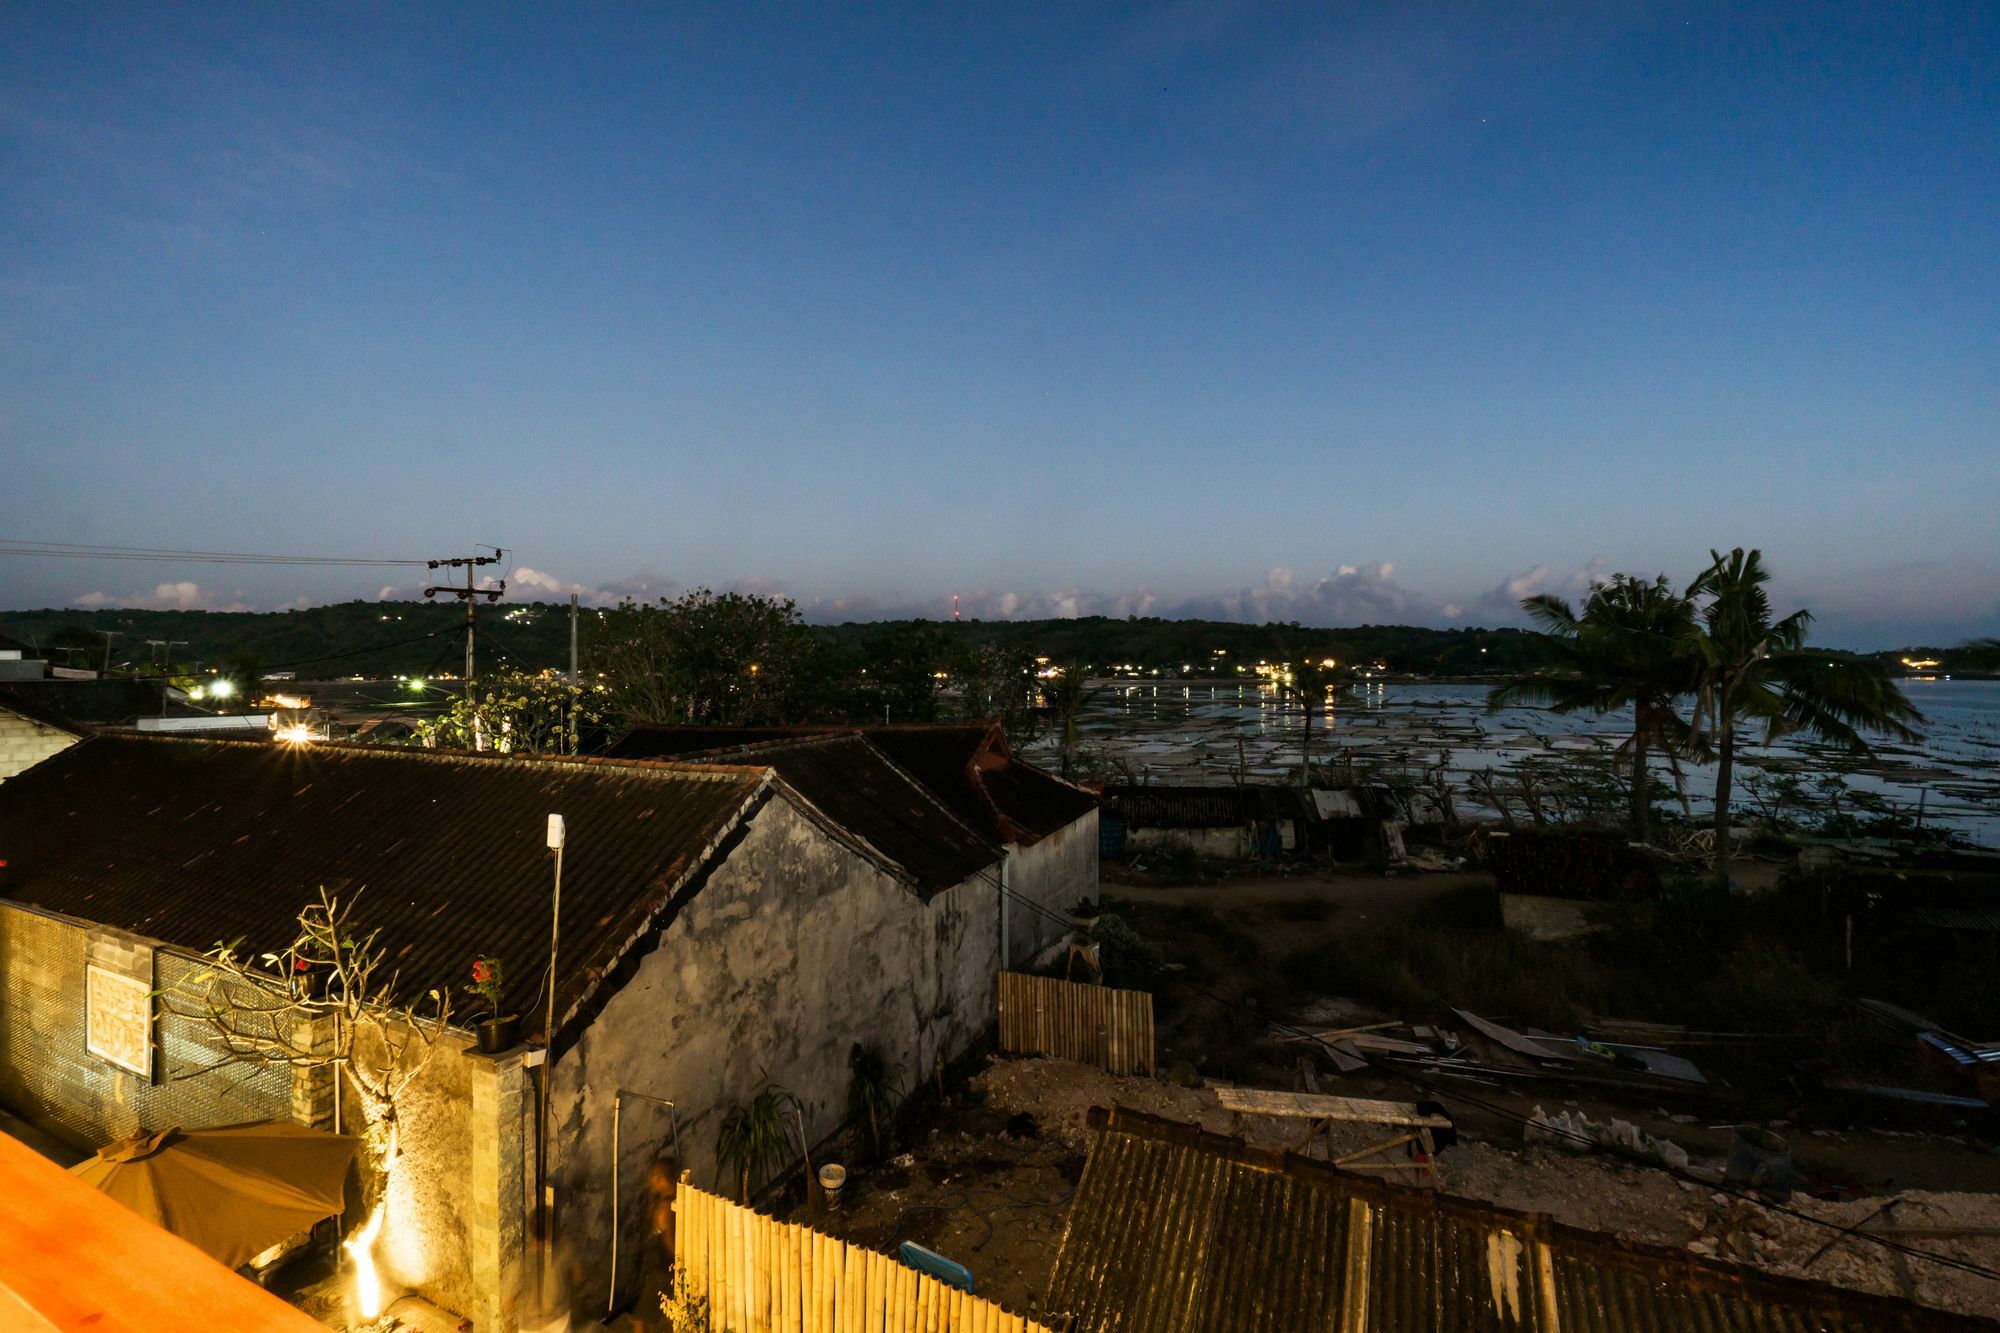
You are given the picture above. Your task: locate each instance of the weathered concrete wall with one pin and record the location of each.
(794, 951)
(1055, 874)
(1231, 842)
(25, 742)
(48, 1076)
(426, 1243)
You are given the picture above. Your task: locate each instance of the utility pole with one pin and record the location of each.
(470, 595)
(573, 678)
(166, 665)
(109, 635)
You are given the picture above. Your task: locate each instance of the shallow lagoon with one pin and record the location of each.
(1208, 732)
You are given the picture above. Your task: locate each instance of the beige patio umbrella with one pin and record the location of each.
(232, 1191)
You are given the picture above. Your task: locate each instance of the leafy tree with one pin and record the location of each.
(1752, 668)
(518, 713)
(724, 659)
(997, 682)
(1625, 649)
(904, 660)
(244, 674)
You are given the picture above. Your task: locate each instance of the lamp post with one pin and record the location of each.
(558, 835)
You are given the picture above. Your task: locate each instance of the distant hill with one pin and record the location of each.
(423, 638)
(420, 638)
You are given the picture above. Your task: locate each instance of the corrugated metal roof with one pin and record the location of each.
(196, 842)
(1174, 1230)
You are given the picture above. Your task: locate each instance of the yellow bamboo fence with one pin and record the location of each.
(1093, 1025)
(738, 1271)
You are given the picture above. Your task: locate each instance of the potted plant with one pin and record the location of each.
(497, 1031)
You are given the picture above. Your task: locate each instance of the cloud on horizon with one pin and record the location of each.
(179, 595)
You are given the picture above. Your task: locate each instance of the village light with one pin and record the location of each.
(297, 733)
(223, 688)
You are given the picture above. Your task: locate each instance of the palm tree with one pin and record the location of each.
(1312, 685)
(1623, 650)
(1066, 696)
(1752, 668)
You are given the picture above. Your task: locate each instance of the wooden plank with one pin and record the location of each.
(1300, 1105)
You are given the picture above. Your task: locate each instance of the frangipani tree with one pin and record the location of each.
(325, 1001)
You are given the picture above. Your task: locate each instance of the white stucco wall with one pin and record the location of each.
(1054, 873)
(795, 949)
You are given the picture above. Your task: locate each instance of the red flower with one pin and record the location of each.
(300, 965)
(479, 971)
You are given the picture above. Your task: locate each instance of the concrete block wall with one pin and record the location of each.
(47, 1074)
(25, 742)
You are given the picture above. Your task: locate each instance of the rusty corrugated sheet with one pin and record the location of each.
(195, 842)
(1174, 1230)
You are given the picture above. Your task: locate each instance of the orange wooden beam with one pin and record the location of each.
(71, 1258)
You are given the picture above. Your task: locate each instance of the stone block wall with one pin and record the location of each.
(47, 1074)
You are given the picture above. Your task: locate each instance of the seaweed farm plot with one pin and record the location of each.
(1423, 734)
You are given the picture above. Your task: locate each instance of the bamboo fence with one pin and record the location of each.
(738, 1271)
(1092, 1025)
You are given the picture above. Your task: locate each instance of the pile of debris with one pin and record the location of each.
(1961, 1077)
(1477, 1050)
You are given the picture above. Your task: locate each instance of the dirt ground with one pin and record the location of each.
(982, 1193)
(1599, 1194)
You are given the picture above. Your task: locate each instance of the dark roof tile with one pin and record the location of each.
(196, 842)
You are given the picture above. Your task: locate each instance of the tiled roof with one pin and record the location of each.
(195, 842)
(869, 798)
(1176, 1229)
(966, 765)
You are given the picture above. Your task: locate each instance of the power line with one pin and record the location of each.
(82, 551)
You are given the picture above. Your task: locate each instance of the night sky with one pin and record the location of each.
(1341, 314)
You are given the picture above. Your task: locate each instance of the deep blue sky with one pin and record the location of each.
(1335, 314)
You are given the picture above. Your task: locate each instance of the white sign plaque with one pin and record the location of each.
(119, 1019)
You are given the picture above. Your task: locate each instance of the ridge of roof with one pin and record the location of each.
(421, 754)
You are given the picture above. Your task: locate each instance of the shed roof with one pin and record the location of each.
(1156, 805)
(196, 842)
(967, 766)
(871, 799)
(1175, 1228)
